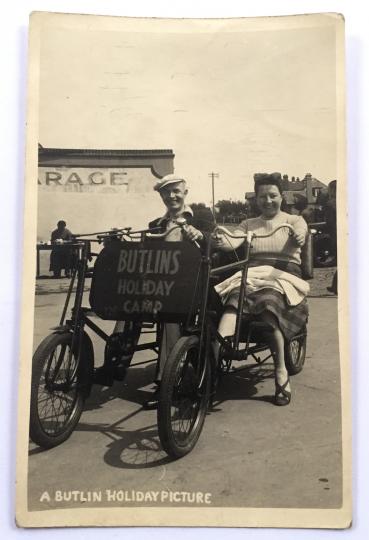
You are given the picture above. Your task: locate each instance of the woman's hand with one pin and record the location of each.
(191, 233)
(217, 239)
(299, 238)
(223, 242)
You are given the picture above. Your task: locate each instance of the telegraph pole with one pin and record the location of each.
(213, 175)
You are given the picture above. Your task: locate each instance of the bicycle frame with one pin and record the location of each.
(199, 320)
(208, 330)
(80, 315)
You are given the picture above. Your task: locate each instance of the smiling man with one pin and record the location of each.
(173, 191)
(200, 222)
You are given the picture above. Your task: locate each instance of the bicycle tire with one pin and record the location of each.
(181, 404)
(49, 425)
(295, 353)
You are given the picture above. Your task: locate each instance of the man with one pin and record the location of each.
(61, 256)
(173, 191)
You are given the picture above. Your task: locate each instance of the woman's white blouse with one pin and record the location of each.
(280, 245)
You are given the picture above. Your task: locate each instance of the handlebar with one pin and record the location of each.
(112, 232)
(251, 235)
(162, 235)
(127, 231)
(180, 225)
(133, 235)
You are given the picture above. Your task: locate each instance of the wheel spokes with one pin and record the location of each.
(185, 400)
(57, 395)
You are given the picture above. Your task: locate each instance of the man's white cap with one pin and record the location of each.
(168, 179)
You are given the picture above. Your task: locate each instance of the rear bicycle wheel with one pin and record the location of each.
(295, 353)
(59, 387)
(182, 403)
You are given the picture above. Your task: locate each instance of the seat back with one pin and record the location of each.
(307, 258)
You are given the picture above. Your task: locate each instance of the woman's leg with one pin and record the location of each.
(277, 349)
(227, 327)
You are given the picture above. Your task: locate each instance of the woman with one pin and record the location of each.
(274, 261)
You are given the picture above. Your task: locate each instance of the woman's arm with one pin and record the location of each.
(300, 229)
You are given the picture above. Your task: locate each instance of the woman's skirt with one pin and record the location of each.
(291, 319)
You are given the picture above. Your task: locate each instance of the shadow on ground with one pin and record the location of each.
(141, 448)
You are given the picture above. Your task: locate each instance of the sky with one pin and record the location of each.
(231, 102)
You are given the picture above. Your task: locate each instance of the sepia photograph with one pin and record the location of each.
(184, 342)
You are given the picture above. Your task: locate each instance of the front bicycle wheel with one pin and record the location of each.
(59, 386)
(183, 401)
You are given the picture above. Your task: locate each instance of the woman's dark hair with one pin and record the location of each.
(265, 179)
(61, 223)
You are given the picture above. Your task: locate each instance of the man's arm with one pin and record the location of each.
(200, 225)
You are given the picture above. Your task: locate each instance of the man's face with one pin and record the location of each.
(173, 196)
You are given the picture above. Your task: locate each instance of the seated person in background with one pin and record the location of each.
(330, 213)
(173, 191)
(274, 259)
(61, 256)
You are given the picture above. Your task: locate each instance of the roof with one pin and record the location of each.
(105, 152)
(297, 185)
(160, 161)
(317, 183)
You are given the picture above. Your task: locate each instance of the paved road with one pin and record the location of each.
(250, 454)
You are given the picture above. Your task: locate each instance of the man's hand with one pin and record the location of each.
(299, 238)
(191, 233)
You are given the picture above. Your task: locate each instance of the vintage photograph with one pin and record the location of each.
(184, 355)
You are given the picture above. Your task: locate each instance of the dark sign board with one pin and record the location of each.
(150, 281)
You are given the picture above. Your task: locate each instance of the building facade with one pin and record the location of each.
(95, 190)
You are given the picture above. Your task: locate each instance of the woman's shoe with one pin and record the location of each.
(282, 396)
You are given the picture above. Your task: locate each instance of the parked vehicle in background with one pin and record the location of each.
(322, 245)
